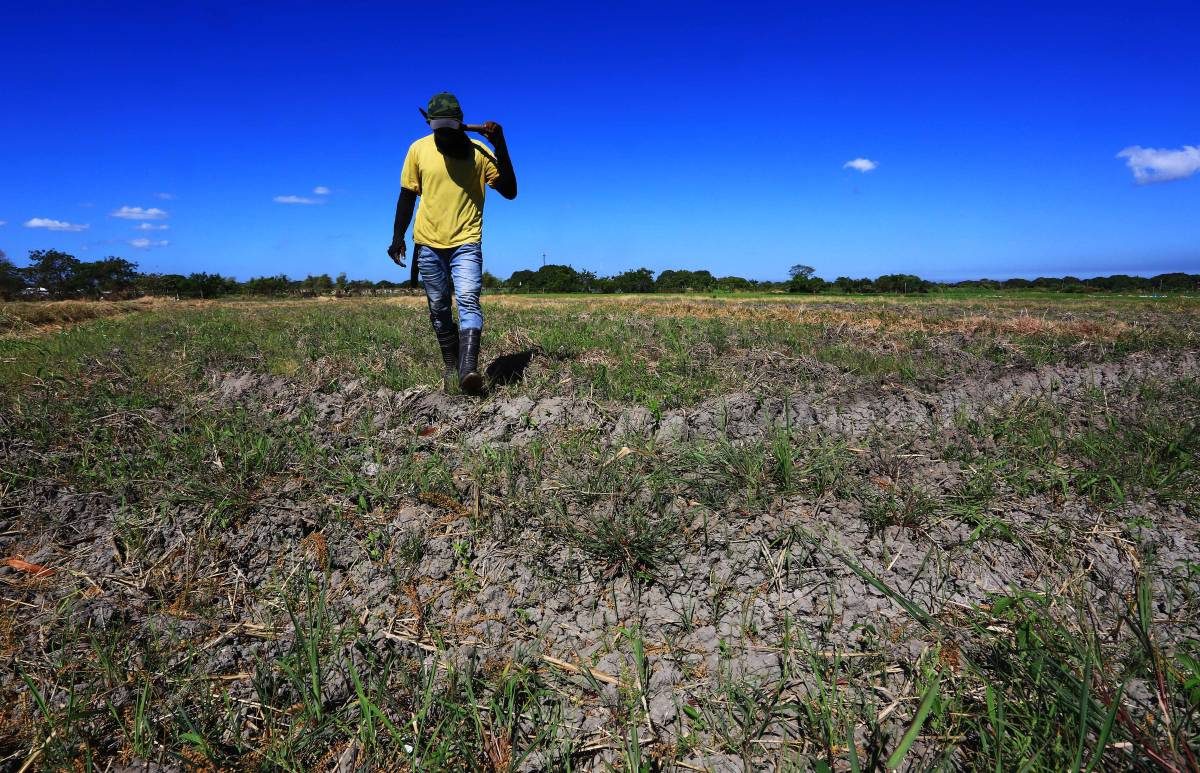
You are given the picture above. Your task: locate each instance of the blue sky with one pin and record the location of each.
(662, 135)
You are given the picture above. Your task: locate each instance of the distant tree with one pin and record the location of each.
(902, 283)
(312, 284)
(1114, 283)
(684, 281)
(340, 282)
(101, 277)
(1175, 281)
(199, 284)
(203, 285)
(159, 284)
(635, 280)
(559, 279)
(12, 281)
(854, 286)
(267, 285)
(551, 278)
(671, 281)
(734, 284)
(588, 281)
(53, 270)
(804, 280)
(521, 281)
(491, 281)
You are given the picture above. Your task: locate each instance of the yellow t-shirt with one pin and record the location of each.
(451, 191)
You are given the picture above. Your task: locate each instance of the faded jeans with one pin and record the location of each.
(462, 264)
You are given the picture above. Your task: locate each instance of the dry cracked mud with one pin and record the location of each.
(502, 565)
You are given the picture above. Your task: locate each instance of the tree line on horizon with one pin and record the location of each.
(56, 274)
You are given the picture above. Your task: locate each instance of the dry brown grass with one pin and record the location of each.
(864, 316)
(22, 318)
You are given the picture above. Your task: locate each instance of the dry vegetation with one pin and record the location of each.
(38, 317)
(679, 533)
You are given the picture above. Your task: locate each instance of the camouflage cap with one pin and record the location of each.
(444, 105)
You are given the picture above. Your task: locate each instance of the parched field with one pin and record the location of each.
(679, 533)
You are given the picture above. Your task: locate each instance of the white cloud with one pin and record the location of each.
(321, 190)
(863, 165)
(152, 227)
(295, 200)
(3, 222)
(53, 225)
(145, 244)
(165, 196)
(138, 213)
(1158, 165)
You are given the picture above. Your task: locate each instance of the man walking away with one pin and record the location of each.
(448, 170)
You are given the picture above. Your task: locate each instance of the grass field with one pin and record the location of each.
(678, 533)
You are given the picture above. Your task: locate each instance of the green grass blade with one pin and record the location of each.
(1106, 729)
(851, 751)
(914, 729)
(917, 613)
(1085, 703)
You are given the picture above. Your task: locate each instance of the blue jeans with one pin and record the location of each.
(462, 264)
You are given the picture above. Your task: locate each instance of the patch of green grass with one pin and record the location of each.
(618, 512)
(613, 349)
(906, 503)
(1111, 448)
(1029, 688)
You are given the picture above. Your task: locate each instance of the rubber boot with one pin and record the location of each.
(468, 362)
(448, 341)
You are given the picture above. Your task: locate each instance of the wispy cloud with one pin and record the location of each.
(138, 213)
(145, 244)
(165, 196)
(3, 222)
(53, 225)
(152, 226)
(863, 165)
(1159, 165)
(321, 190)
(296, 200)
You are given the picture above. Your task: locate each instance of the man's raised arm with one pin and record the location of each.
(506, 183)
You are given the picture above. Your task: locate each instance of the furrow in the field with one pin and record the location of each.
(735, 416)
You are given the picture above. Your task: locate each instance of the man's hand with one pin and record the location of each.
(397, 253)
(493, 132)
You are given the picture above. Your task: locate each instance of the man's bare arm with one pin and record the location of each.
(506, 183)
(404, 213)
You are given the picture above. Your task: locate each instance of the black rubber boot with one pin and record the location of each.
(448, 341)
(468, 362)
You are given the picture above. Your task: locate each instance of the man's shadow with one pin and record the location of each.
(509, 368)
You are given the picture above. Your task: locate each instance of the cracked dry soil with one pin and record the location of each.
(489, 583)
